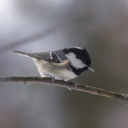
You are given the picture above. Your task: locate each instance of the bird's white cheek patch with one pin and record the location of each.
(76, 63)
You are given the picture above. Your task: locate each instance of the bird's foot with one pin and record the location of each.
(75, 84)
(52, 79)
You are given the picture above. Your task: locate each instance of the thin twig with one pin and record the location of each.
(61, 83)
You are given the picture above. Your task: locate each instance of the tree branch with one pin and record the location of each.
(61, 83)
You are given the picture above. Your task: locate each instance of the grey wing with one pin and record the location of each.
(56, 56)
(40, 55)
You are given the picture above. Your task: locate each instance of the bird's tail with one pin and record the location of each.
(20, 53)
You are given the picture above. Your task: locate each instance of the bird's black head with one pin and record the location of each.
(79, 59)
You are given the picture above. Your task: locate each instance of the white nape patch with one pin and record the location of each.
(75, 47)
(76, 63)
(51, 55)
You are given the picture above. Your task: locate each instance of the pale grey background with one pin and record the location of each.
(101, 26)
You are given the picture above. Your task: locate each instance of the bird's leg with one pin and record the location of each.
(75, 84)
(52, 78)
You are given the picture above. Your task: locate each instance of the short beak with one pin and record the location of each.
(91, 69)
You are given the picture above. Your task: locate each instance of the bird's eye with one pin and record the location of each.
(84, 62)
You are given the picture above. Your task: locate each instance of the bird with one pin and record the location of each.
(65, 64)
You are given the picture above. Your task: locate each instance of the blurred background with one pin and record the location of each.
(101, 26)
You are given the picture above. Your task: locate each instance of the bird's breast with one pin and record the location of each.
(59, 72)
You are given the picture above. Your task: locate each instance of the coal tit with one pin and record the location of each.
(63, 64)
